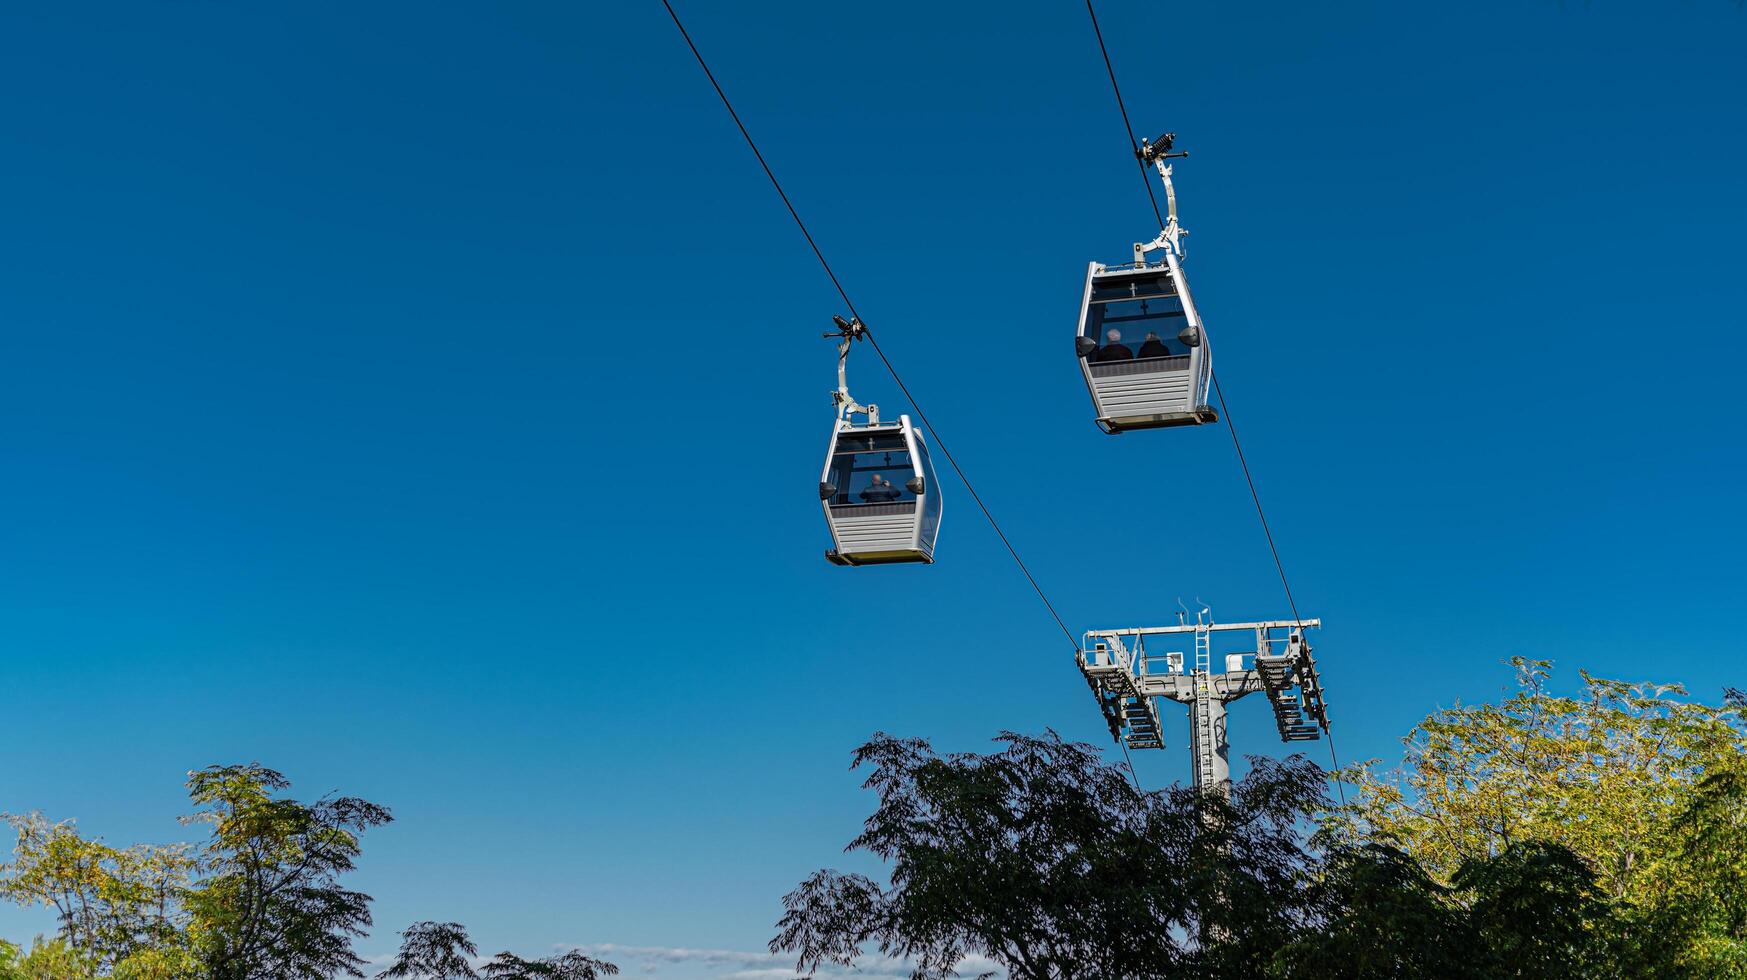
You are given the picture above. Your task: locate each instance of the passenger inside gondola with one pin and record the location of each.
(1114, 349)
(1145, 306)
(870, 469)
(880, 491)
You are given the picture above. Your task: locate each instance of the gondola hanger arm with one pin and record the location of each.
(850, 330)
(1157, 152)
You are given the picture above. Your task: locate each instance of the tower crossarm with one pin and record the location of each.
(1269, 624)
(1129, 683)
(1228, 686)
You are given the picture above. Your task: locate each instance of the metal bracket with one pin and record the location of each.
(850, 330)
(1156, 152)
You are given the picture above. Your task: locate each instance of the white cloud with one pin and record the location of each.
(744, 965)
(679, 954)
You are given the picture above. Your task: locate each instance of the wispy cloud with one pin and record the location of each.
(679, 954)
(744, 965)
(820, 975)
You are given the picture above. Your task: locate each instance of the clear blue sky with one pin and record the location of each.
(427, 400)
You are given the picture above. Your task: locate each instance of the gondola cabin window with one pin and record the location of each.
(1135, 318)
(870, 469)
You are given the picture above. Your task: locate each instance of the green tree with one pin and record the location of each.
(433, 951)
(1636, 781)
(172, 960)
(442, 951)
(59, 959)
(1381, 917)
(269, 903)
(1048, 861)
(260, 899)
(1539, 914)
(565, 966)
(113, 903)
(50, 959)
(1706, 908)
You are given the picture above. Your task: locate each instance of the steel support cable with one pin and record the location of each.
(1279, 566)
(1146, 179)
(972, 490)
(1256, 498)
(1130, 760)
(761, 162)
(1225, 412)
(850, 304)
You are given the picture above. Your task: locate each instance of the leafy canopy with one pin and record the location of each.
(1049, 862)
(1643, 787)
(1599, 836)
(261, 898)
(442, 951)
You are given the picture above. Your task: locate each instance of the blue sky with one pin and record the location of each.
(427, 400)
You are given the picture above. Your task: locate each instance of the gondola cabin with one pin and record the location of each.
(879, 493)
(1142, 347)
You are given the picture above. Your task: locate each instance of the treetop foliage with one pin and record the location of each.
(1605, 773)
(442, 951)
(1602, 835)
(260, 899)
(1045, 859)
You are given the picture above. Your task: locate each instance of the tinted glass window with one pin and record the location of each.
(1132, 287)
(931, 496)
(1142, 326)
(866, 442)
(871, 469)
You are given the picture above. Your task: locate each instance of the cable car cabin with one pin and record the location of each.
(1142, 347)
(879, 494)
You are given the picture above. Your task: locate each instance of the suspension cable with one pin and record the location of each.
(850, 304)
(1225, 412)
(1256, 498)
(1231, 427)
(761, 161)
(1130, 760)
(1146, 179)
(973, 492)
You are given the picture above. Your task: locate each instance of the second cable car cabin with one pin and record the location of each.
(878, 490)
(879, 493)
(1140, 342)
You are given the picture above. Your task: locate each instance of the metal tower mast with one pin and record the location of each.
(1128, 684)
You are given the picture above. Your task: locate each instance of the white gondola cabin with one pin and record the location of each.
(1141, 344)
(881, 500)
(879, 493)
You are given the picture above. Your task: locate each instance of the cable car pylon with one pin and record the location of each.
(1129, 684)
(1141, 344)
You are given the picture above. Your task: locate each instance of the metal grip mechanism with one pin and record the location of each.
(851, 330)
(1152, 151)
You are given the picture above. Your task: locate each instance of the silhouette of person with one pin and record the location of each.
(1114, 349)
(879, 491)
(1152, 346)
